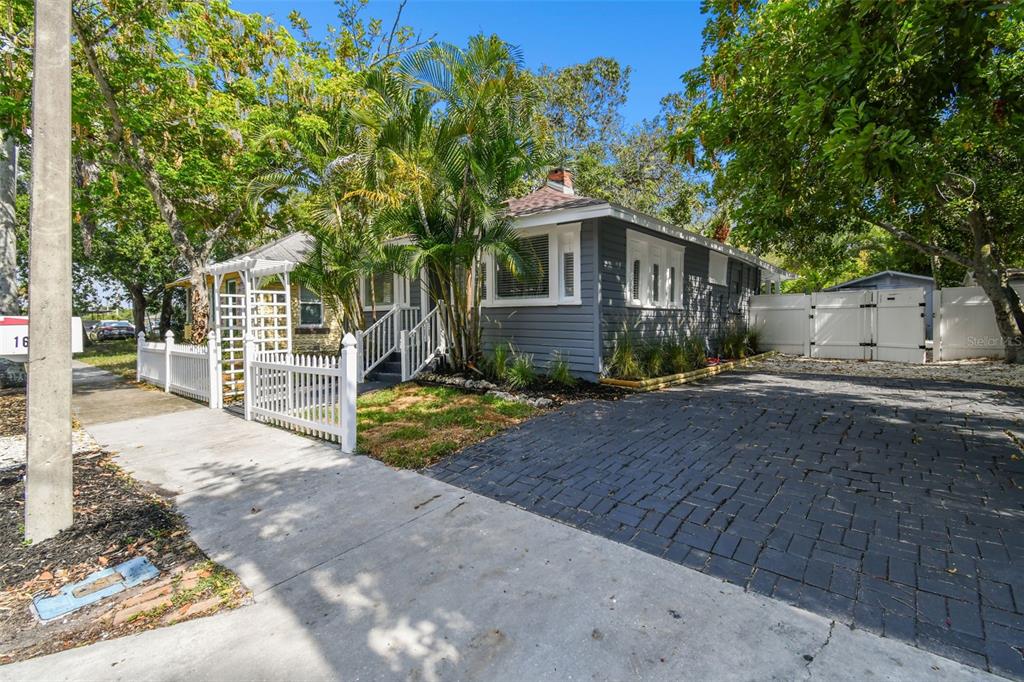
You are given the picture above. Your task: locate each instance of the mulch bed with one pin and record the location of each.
(12, 411)
(544, 388)
(115, 519)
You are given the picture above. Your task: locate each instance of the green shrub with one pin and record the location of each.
(521, 373)
(497, 365)
(558, 370)
(625, 362)
(736, 341)
(675, 357)
(654, 360)
(693, 350)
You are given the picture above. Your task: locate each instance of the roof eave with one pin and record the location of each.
(610, 210)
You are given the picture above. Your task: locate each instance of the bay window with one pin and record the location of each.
(653, 272)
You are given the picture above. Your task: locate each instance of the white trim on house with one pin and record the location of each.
(563, 247)
(654, 272)
(566, 215)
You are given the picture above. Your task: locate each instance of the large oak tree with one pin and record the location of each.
(823, 121)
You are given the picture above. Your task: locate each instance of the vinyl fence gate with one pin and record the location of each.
(882, 324)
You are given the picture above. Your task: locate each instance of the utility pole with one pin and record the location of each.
(48, 485)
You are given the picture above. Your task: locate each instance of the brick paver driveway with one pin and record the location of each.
(890, 505)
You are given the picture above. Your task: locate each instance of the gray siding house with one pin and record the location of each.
(604, 271)
(610, 271)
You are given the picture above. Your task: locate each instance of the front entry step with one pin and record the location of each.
(387, 372)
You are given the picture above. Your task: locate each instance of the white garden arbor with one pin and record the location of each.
(251, 298)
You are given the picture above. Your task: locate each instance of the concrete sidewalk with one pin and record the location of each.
(363, 572)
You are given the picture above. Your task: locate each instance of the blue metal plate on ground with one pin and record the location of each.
(97, 586)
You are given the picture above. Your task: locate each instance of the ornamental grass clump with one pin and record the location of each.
(625, 361)
(521, 372)
(558, 371)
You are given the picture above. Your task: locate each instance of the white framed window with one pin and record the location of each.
(654, 270)
(384, 290)
(718, 268)
(311, 308)
(553, 253)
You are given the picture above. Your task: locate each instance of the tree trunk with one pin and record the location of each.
(166, 310)
(991, 277)
(199, 300)
(138, 307)
(8, 236)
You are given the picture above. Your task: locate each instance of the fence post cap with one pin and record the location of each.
(142, 336)
(211, 336)
(348, 340)
(169, 334)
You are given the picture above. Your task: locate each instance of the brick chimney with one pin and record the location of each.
(561, 179)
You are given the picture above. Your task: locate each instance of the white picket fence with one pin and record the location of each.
(311, 394)
(186, 369)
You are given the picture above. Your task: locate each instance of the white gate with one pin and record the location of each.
(311, 394)
(900, 325)
(841, 325)
(884, 324)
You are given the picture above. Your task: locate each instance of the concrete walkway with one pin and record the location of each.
(363, 572)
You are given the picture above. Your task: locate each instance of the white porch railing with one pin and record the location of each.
(420, 345)
(181, 368)
(381, 339)
(314, 395)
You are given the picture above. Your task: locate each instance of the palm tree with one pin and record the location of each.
(321, 178)
(458, 128)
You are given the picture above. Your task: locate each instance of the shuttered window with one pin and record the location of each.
(481, 273)
(635, 293)
(654, 271)
(379, 290)
(568, 274)
(533, 282)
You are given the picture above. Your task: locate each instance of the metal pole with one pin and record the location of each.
(48, 485)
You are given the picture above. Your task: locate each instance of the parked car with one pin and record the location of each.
(115, 329)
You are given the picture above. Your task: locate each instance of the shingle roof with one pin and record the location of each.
(292, 247)
(547, 198)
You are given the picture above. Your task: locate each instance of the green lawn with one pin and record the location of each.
(114, 356)
(411, 426)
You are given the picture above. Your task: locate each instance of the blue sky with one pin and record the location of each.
(660, 40)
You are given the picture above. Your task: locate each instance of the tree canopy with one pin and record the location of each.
(823, 123)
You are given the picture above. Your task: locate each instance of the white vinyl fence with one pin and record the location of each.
(311, 394)
(965, 324)
(883, 324)
(186, 369)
